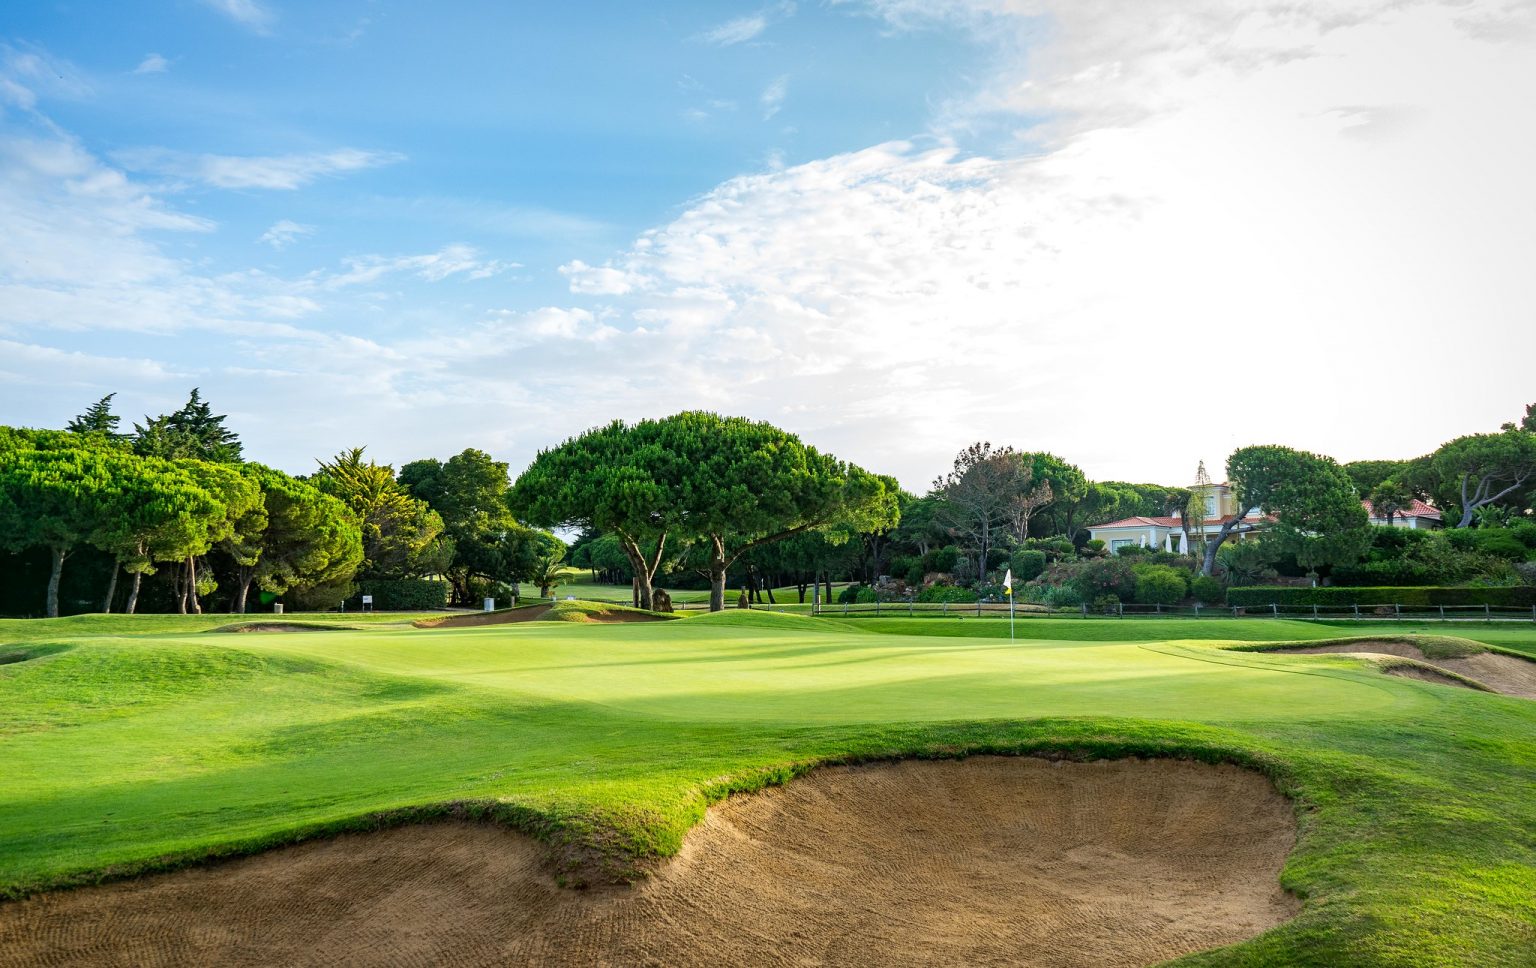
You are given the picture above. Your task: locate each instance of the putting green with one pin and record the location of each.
(154, 746)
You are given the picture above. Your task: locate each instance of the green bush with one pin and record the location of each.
(403, 595)
(942, 560)
(1027, 564)
(1159, 585)
(946, 593)
(1207, 590)
(1106, 576)
(1499, 542)
(1094, 546)
(1522, 596)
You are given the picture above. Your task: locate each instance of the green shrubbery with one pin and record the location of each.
(403, 594)
(1027, 564)
(1159, 584)
(946, 593)
(1104, 577)
(1523, 596)
(1207, 590)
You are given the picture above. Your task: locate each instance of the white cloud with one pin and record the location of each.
(152, 64)
(773, 95)
(247, 13)
(281, 172)
(737, 31)
(436, 266)
(600, 280)
(284, 233)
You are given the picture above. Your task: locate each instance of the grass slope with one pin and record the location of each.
(131, 745)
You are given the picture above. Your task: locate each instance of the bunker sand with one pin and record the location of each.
(1500, 673)
(990, 860)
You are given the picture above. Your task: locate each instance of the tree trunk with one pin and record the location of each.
(246, 577)
(1208, 564)
(634, 591)
(544, 591)
(645, 570)
(179, 576)
(133, 593)
(197, 607)
(106, 604)
(717, 566)
(57, 571)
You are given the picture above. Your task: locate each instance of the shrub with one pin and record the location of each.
(1499, 542)
(849, 594)
(1027, 564)
(946, 593)
(908, 568)
(942, 559)
(1106, 576)
(403, 594)
(1207, 590)
(1159, 585)
(1094, 546)
(1522, 596)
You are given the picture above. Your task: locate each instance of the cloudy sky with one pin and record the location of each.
(1138, 233)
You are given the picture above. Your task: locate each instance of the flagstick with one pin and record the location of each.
(1010, 617)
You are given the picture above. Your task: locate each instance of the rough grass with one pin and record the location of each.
(1415, 801)
(581, 611)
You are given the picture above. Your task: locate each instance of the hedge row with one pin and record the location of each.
(403, 595)
(1523, 596)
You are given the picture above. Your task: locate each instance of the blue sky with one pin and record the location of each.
(892, 226)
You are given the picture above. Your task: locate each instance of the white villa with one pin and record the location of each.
(1167, 532)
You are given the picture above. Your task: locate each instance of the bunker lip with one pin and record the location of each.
(1494, 671)
(240, 627)
(531, 613)
(1123, 862)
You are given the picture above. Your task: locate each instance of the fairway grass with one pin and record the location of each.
(143, 742)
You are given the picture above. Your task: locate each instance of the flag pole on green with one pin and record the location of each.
(1008, 590)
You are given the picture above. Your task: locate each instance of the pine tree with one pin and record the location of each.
(193, 431)
(97, 419)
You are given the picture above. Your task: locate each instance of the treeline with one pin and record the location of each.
(171, 518)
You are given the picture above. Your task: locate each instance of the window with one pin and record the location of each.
(1210, 506)
(1119, 543)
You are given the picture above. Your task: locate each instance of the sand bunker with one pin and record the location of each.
(1499, 672)
(990, 860)
(281, 627)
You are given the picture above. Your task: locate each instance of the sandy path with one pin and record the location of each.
(986, 861)
(1501, 673)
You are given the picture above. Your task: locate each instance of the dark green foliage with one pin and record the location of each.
(194, 431)
(97, 419)
(1207, 590)
(1027, 564)
(946, 593)
(1368, 474)
(404, 594)
(942, 560)
(1159, 584)
(1104, 577)
(1498, 542)
(1519, 596)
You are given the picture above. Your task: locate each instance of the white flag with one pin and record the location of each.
(1008, 580)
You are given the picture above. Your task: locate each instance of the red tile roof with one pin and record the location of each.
(1416, 509)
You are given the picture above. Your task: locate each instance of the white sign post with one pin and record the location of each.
(367, 603)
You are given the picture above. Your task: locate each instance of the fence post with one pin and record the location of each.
(1397, 611)
(1234, 611)
(1487, 613)
(1314, 611)
(1085, 610)
(1197, 610)
(1274, 609)
(877, 606)
(946, 608)
(1357, 611)
(1120, 609)
(909, 608)
(845, 608)
(978, 608)
(1159, 607)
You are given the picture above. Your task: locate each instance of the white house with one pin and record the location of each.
(1167, 532)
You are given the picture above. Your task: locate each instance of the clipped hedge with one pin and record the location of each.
(1521, 596)
(403, 595)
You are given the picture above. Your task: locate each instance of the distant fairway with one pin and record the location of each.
(132, 742)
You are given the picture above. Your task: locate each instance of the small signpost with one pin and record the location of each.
(490, 604)
(367, 603)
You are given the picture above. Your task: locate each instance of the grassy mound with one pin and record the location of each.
(579, 611)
